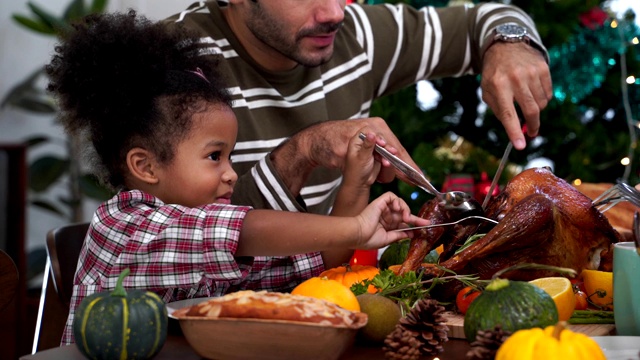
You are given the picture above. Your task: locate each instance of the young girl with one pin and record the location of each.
(163, 131)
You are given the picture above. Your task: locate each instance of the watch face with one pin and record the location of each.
(511, 31)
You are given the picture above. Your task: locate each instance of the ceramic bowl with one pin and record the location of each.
(230, 338)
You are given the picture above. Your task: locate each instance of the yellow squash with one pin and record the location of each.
(554, 342)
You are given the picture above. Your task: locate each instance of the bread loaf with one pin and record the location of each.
(274, 306)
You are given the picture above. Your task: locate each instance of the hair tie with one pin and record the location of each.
(198, 73)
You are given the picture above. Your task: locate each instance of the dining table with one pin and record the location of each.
(177, 347)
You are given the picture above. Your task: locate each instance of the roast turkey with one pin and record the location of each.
(541, 219)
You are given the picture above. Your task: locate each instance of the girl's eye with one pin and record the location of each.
(215, 156)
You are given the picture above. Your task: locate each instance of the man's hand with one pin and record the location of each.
(516, 72)
(326, 144)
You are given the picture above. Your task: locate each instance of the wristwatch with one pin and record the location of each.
(511, 33)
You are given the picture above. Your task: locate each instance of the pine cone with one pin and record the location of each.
(487, 343)
(421, 332)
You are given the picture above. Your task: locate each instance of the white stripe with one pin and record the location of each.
(466, 64)
(347, 67)
(397, 14)
(359, 34)
(184, 13)
(308, 190)
(489, 22)
(259, 144)
(426, 42)
(437, 40)
(343, 80)
(279, 191)
(253, 157)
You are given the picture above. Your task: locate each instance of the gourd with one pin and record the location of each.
(352, 274)
(121, 324)
(513, 305)
(554, 342)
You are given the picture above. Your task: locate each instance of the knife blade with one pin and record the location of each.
(503, 162)
(496, 177)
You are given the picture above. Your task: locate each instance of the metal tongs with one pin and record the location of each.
(452, 199)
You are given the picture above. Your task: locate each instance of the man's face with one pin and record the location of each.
(301, 30)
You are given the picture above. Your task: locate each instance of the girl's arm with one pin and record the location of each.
(278, 233)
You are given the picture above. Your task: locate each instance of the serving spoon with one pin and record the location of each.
(457, 200)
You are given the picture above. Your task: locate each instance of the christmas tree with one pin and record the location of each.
(588, 131)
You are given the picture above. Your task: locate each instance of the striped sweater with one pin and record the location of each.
(379, 50)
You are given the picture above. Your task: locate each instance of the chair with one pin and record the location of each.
(63, 247)
(8, 279)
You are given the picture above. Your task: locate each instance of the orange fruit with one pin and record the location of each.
(561, 291)
(330, 290)
(599, 287)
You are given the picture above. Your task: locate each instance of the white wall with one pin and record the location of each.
(21, 53)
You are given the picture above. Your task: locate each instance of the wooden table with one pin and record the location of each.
(176, 347)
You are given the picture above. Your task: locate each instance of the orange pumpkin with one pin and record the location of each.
(352, 274)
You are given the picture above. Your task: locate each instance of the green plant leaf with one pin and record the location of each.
(33, 25)
(74, 11)
(51, 20)
(45, 205)
(28, 96)
(98, 6)
(90, 186)
(45, 171)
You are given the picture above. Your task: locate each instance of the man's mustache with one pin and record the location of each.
(321, 29)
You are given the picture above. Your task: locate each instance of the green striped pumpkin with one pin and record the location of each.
(513, 305)
(121, 324)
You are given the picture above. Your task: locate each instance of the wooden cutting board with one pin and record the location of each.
(455, 322)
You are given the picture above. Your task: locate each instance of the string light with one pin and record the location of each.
(577, 182)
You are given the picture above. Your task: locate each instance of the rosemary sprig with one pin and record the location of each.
(409, 288)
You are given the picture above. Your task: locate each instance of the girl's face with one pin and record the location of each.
(200, 172)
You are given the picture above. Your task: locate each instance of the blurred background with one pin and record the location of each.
(588, 134)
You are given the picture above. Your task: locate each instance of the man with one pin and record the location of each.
(297, 69)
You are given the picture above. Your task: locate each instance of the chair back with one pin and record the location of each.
(63, 246)
(8, 279)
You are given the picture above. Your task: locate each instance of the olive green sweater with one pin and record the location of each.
(380, 49)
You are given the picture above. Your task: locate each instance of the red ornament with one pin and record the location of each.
(482, 188)
(458, 182)
(364, 257)
(593, 18)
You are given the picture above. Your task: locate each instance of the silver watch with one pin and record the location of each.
(511, 33)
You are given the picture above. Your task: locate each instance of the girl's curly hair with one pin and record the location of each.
(123, 81)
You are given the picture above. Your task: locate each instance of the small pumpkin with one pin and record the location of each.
(121, 324)
(353, 274)
(513, 305)
(554, 342)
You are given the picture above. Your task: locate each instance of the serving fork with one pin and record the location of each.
(616, 194)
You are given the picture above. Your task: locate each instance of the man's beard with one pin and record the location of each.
(270, 31)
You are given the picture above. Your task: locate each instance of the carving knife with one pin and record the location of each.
(503, 162)
(496, 177)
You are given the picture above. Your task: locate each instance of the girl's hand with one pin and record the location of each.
(385, 214)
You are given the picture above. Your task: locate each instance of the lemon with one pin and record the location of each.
(383, 314)
(599, 287)
(329, 290)
(561, 291)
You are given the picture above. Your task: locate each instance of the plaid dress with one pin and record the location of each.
(176, 252)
